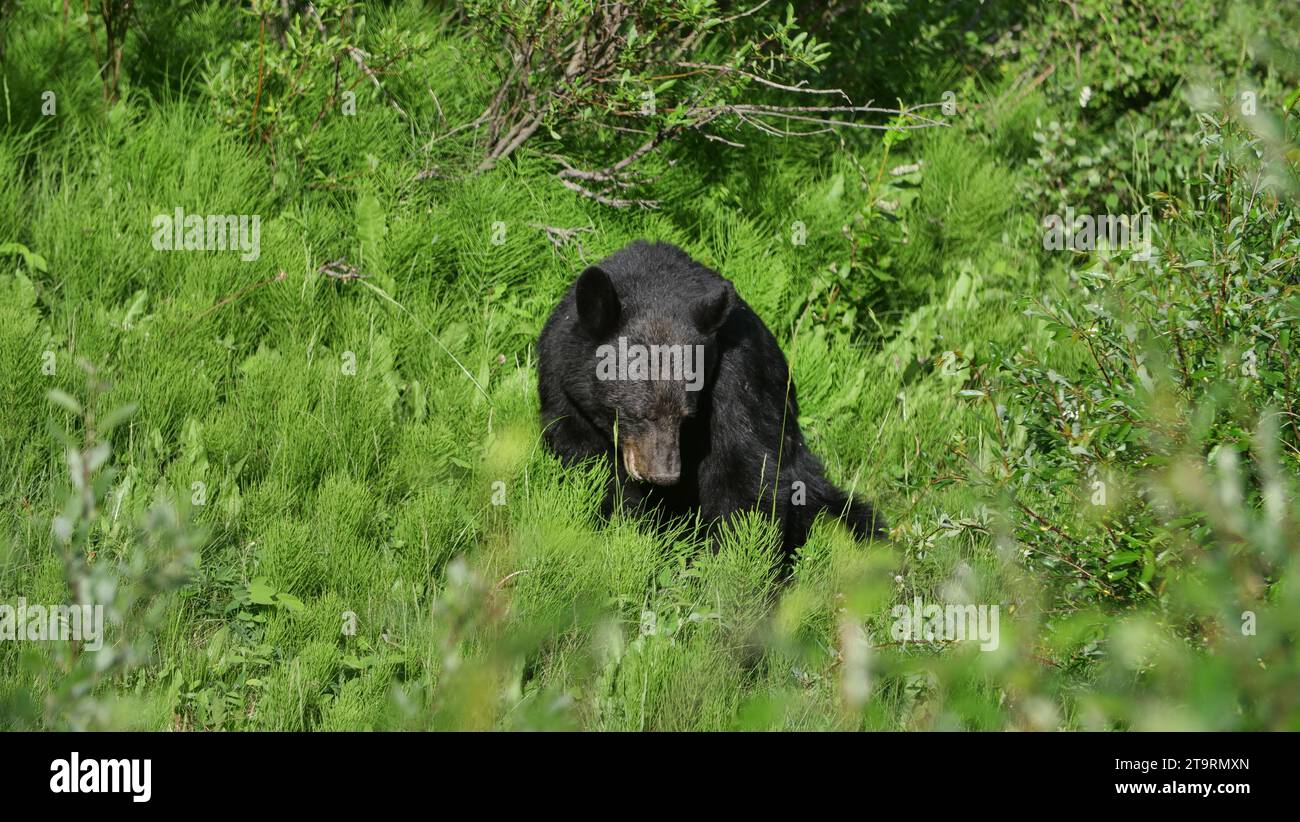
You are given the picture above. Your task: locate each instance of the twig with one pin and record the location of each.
(261, 65)
(279, 277)
(340, 269)
(359, 57)
(603, 199)
(559, 236)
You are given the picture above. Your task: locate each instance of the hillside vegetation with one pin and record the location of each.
(310, 490)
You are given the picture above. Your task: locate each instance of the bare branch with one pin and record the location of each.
(359, 57)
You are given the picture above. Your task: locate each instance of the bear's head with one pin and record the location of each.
(654, 356)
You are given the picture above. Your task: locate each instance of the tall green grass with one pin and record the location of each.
(371, 447)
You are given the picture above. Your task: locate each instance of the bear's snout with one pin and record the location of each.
(653, 457)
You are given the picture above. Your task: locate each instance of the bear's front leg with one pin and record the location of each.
(723, 497)
(569, 436)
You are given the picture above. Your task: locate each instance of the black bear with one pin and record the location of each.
(653, 361)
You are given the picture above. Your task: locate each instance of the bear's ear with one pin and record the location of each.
(712, 311)
(598, 308)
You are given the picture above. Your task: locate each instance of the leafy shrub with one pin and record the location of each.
(1180, 355)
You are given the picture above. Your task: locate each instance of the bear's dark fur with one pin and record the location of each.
(730, 445)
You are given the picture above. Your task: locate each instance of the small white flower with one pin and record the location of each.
(1085, 96)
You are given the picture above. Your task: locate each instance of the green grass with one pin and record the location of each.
(371, 490)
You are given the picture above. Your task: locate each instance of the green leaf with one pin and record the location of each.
(64, 401)
(290, 602)
(117, 416)
(31, 259)
(261, 592)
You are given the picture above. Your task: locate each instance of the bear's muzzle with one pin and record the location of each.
(654, 457)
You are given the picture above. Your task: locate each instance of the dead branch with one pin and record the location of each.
(340, 269)
(559, 72)
(559, 236)
(359, 57)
